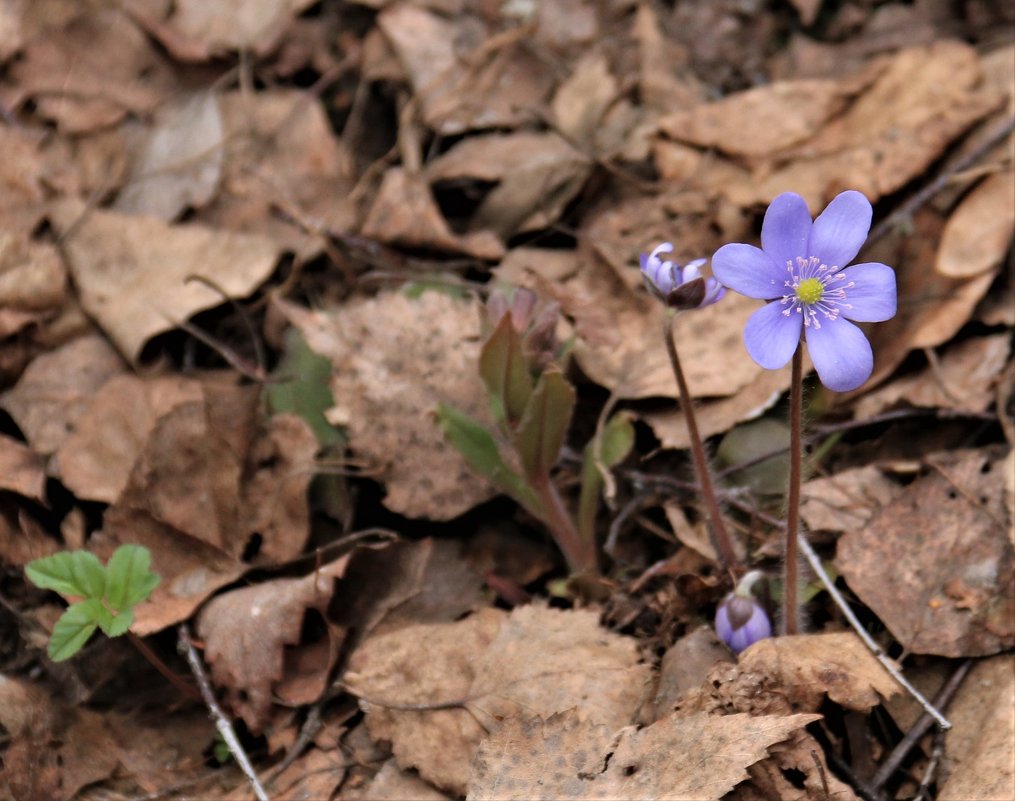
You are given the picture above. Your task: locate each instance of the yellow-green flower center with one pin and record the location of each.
(810, 290)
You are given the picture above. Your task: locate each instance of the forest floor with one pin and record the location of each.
(249, 254)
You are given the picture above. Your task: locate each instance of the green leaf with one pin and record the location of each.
(302, 387)
(614, 444)
(117, 625)
(69, 573)
(505, 371)
(540, 434)
(74, 628)
(128, 577)
(480, 450)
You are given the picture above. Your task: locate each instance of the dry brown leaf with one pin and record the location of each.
(53, 750)
(393, 784)
(799, 757)
(620, 343)
(22, 470)
(664, 79)
(57, 388)
(194, 30)
(538, 174)
(923, 100)
(394, 360)
(778, 115)
(685, 666)
(718, 416)
(92, 72)
(581, 101)
(131, 272)
(407, 583)
(23, 177)
(979, 232)
(847, 500)
(23, 539)
(459, 82)
(405, 213)
(544, 661)
(96, 459)
(179, 162)
(964, 380)
(32, 277)
(535, 661)
(978, 752)
(936, 565)
(315, 775)
(807, 9)
(247, 633)
(281, 153)
(430, 665)
(567, 757)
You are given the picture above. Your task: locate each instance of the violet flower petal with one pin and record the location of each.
(841, 354)
(786, 229)
(841, 229)
(771, 336)
(749, 271)
(872, 299)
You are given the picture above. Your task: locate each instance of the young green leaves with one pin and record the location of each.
(109, 593)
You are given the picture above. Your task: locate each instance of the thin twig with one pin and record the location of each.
(791, 607)
(916, 732)
(936, 754)
(720, 534)
(225, 728)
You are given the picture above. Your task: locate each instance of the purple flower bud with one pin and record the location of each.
(680, 288)
(740, 621)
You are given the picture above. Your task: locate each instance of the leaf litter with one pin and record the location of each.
(376, 619)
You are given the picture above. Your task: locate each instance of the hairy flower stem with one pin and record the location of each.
(580, 554)
(791, 609)
(720, 535)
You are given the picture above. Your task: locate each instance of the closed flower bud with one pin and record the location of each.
(741, 620)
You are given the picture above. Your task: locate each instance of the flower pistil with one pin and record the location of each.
(814, 291)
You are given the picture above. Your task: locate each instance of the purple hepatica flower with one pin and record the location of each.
(680, 288)
(799, 267)
(740, 621)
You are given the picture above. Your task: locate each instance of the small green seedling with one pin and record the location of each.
(109, 593)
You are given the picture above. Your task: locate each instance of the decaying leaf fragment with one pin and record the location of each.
(248, 635)
(131, 272)
(699, 757)
(937, 565)
(484, 669)
(394, 360)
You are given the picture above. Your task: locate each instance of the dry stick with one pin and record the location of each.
(791, 608)
(720, 535)
(225, 728)
(912, 737)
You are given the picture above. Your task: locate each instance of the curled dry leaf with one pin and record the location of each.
(57, 388)
(394, 360)
(565, 756)
(195, 30)
(778, 115)
(582, 100)
(537, 175)
(91, 72)
(924, 98)
(978, 233)
(964, 379)
(21, 469)
(247, 633)
(405, 213)
(936, 564)
(131, 272)
(487, 668)
(281, 153)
